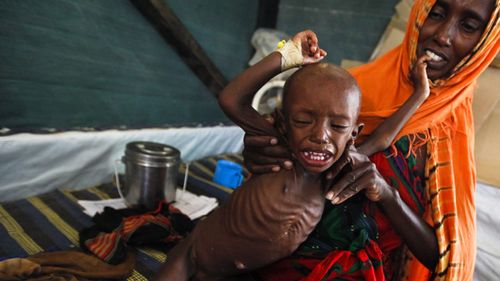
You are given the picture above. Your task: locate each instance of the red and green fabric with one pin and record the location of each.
(114, 230)
(400, 172)
(354, 240)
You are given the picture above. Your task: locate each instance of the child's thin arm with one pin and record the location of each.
(236, 98)
(385, 134)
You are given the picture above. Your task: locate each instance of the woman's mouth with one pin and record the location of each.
(434, 57)
(437, 62)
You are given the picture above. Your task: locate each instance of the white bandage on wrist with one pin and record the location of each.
(291, 55)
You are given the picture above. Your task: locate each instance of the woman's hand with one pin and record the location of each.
(263, 154)
(362, 177)
(365, 177)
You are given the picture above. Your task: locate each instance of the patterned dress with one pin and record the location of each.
(355, 240)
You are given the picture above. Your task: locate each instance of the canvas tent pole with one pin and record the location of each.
(268, 13)
(175, 33)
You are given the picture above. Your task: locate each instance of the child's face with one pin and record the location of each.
(320, 120)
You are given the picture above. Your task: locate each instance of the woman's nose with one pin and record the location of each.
(445, 34)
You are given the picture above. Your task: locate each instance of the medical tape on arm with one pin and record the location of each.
(291, 55)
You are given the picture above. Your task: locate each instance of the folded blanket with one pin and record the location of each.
(64, 265)
(115, 230)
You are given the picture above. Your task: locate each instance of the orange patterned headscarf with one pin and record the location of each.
(444, 123)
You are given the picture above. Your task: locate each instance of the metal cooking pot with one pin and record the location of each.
(150, 173)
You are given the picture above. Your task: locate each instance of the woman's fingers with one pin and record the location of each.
(354, 188)
(259, 141)
(266, 155)
(261, 156)
(354, 181)
(278, 152)
(256, 165)
(262, 164)
(344, 159)
(338, 166)
(262, 169)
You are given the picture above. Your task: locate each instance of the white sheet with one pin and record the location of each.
(32, 164)
(488, 227)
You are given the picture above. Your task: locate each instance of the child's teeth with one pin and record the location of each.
(318, 156)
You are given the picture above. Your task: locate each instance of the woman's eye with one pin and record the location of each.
(470, 27)
(436, 14)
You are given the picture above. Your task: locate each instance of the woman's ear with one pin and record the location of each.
(357, 130)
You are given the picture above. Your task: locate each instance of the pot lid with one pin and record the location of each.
(151, 152)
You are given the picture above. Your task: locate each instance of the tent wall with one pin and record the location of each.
(347, 29)
(93, 63)
(100, 63)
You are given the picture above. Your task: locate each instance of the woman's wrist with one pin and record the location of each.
(388, 197)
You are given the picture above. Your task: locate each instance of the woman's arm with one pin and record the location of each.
(385, 134)
(416, 233)
(364, 176)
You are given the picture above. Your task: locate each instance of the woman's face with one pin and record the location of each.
(450, 32)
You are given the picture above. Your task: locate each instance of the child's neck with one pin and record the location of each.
(307, 185)
(307, 177)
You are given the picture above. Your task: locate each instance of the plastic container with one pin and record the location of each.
(228, 174)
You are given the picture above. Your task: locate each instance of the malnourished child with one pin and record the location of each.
(270, 215)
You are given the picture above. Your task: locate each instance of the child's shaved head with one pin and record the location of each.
(321, 105)
(324, 74)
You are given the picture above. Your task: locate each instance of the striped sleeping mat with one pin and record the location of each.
(51, 222)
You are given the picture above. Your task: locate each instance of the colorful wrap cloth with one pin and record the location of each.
(355, 240)
(401, 172)
(444, 124)
(114, 230)
(342, 246)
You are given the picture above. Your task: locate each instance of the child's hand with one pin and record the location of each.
(311, 52)
(418, 76)
(302, 49)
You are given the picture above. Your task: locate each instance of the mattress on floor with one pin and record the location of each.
(51, 222)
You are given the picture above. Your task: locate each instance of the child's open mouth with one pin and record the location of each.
(316, 158)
